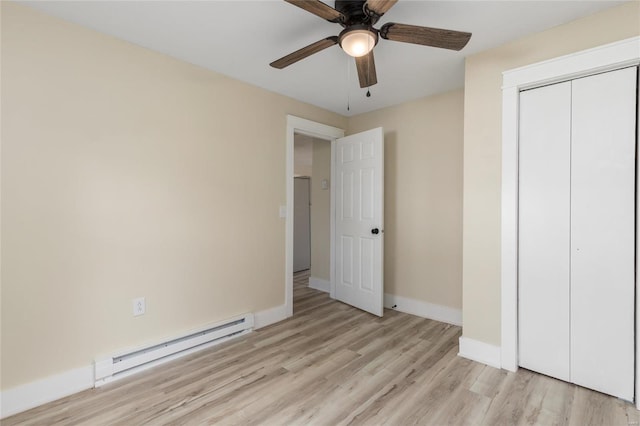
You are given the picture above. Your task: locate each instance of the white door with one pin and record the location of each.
(301, 224)
(359, 242)
(603, 168)
(543, 231)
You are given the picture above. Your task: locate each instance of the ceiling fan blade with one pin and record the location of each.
(309, 50)
(319, 8)
(435, 37)
(366, 70)
(380, 7)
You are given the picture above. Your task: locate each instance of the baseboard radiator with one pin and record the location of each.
(125, 363)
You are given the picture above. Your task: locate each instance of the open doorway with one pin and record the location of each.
(358, 161)
(320, 234)
(302, 177)
(311, 214)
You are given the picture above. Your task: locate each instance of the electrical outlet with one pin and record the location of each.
(139, 306)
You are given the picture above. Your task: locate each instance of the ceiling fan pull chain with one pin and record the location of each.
(348, 83)
(369, 69)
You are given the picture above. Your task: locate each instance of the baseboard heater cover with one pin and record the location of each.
(125, 363)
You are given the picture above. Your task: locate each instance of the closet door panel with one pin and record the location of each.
(544, 212)
(603, 232)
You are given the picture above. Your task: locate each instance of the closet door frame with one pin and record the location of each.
(605, 58)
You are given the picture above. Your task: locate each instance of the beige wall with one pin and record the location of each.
(321, 211)
(302, 155)
(482, 151)
(423, 196)
(127, 173)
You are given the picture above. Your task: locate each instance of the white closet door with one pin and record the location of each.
(603, 232)
(544, 212)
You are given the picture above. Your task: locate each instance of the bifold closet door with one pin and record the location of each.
(544, 230)
(577, 209)
(603, 168)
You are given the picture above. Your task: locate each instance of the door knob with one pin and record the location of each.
(375, 231)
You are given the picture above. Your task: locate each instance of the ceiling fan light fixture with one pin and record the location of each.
(358, 42)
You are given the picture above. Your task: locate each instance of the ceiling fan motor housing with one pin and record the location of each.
(354, 11)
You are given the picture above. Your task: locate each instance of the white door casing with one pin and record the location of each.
(608, 57)
(604, 58)
(359, 220)
(320, 131)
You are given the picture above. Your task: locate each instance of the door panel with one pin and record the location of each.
(603, 232)
(346, 270)
(359, 206)
(544, 221)
(368, 257)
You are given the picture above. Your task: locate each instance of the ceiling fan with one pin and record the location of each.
(359, 37)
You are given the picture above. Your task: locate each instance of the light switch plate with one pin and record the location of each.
(283, 211)
(139, 306)
(324, 184)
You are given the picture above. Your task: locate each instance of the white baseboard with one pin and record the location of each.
(320, 284)
(476, 350)
(423, 309)
(269, 316)
(30, 395)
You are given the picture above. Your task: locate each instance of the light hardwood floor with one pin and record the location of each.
(335, 365)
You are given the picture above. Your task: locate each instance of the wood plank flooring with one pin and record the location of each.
(335, 365)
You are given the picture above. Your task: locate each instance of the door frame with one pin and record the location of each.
(608, 57)
(320, 131)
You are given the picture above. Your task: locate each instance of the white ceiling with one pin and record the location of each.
(240, 38)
